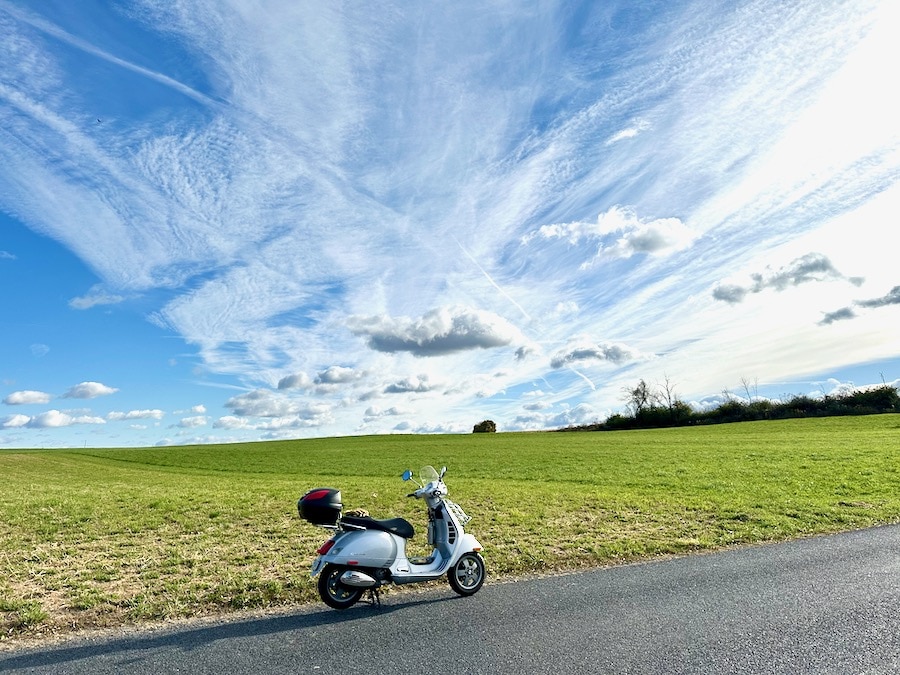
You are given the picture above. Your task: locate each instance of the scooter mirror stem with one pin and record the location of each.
(443, 471)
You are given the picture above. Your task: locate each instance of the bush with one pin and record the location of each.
(879, 399)
(648, 413)
(485, 427)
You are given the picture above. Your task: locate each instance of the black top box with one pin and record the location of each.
(321, 506)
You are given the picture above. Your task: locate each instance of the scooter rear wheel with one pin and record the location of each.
(333, 592)
(467, 575)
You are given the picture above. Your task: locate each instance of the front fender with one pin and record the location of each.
(469, 543)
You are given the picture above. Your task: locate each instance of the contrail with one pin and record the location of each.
(493, 283)
(87, 47)
(585, 378)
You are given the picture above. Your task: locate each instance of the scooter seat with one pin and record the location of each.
(399, 526)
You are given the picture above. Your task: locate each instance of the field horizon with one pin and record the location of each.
(93, 538)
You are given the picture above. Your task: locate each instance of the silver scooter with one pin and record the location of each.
(366, 553)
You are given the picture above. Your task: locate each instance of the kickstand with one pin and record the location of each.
(374, 598)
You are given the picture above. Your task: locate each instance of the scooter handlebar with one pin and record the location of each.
(422, 492)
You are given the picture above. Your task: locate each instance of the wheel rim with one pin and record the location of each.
(337, 590)
(468, 573)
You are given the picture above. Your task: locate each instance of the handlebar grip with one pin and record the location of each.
(411, 494)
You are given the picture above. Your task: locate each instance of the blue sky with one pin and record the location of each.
(224, 220)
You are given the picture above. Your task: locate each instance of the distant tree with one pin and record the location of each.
(485, 427)
(667, 393)
(640, 398)
(751, 389)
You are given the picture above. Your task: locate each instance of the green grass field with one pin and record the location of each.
(106, 537)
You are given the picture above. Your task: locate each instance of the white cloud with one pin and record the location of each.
(96, 296)
(578, 415)
(38, 350)
(565, 308)
(268, 404)
(295, 381)
(629, 132)
(620, 233)
(812, 267)
(154, 414)
(892, 297)
(586, 352)
(413, 384)
(27, 397)
(337, 375)
(193, 422)
(843, 314)
(374, 412)
(199, 409)
(299, 421)
(15, 421)
(89, 390)
(6, 255)
(439, 332)
(431, 428)
(232, 422)
(54, 419)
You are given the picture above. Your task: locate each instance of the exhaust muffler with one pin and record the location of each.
(357, 579)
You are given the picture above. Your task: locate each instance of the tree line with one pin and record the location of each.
(651, 407)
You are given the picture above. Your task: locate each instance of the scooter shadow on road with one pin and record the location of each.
(187, 638)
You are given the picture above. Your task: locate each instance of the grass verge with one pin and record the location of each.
(93, 538)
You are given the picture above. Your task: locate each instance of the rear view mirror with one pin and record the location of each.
(407, 475)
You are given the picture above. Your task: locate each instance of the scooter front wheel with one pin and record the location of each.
(467, 575)
(333, 592)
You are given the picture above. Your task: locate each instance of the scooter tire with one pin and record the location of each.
(335, 594)
(467, 575)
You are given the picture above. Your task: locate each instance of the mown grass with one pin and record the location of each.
(105, 537)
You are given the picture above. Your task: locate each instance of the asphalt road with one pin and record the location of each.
(820, 605)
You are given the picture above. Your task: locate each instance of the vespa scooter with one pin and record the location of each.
(366, 553)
